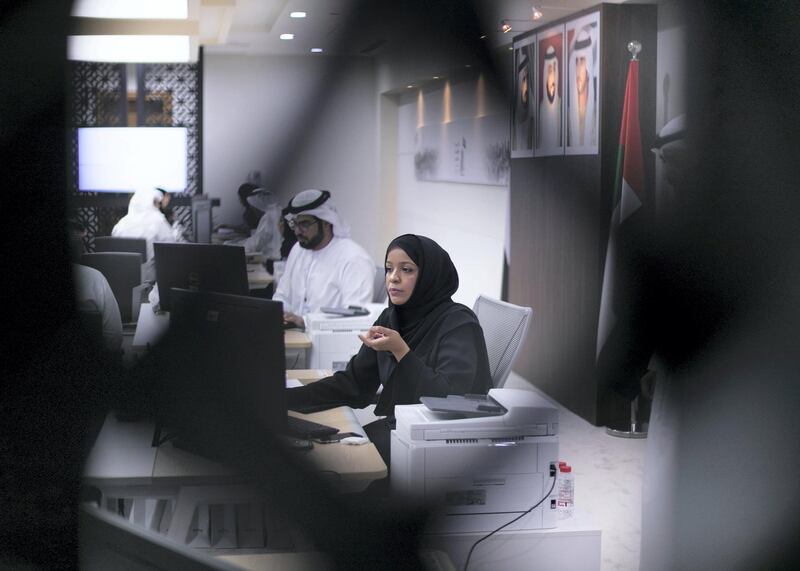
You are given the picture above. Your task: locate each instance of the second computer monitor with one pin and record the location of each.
(199, 267)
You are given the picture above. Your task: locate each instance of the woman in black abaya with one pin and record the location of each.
(423, 344)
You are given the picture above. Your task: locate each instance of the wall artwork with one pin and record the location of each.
(583, 85)
(473, 150)
(523, 112)
(550, 79)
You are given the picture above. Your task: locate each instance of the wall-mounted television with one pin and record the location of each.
(122, 159)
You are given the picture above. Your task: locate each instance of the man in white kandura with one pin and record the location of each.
(325, 268)
(145, 220)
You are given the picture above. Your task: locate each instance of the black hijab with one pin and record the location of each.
(437, 281)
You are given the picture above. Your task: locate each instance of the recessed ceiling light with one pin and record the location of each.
(316, 50)
(409, 86)
(139, 49)
(483, 37)
(505, 27)
(536, 13)
(287, 36)
(467, 66)
(139, 10)
(297, 15)
(435, 77)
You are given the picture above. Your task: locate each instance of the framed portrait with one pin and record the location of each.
(583, 85)
(523, 111)
(550, 92)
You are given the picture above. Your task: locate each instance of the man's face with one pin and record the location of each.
(581, 74)
(309, 231)
(551, 81)
(523, 86)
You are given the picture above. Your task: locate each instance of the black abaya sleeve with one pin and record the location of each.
(458, 366)
(355, 386)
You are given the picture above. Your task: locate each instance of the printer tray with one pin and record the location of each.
(465, 405)
(350, 311)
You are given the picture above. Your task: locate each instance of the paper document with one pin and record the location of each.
(291, 383)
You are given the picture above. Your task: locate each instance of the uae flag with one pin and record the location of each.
(613, 347)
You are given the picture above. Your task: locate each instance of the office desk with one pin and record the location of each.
(151, 326)
(153, 481)
(257, 276)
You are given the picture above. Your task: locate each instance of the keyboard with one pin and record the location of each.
(302, 428)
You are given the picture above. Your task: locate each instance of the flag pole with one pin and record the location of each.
(636, 428)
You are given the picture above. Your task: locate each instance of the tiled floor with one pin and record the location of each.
(608, 483)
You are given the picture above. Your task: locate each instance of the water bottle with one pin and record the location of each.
(565, 501)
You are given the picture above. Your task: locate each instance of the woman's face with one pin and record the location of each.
(401, 276)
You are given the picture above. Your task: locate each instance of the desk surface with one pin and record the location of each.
(123, 456)
(151, 326)
(257, 276)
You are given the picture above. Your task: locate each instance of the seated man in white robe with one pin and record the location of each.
(145, 220)
(325, 268)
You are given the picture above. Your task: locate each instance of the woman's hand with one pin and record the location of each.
(385, 339)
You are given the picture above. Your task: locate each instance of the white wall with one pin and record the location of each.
(304, 122)
(467, 220)
(309, 122)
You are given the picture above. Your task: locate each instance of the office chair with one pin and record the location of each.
(123, 270)
(92, 322)
(379, 293)
(504, 328)
(115, 244)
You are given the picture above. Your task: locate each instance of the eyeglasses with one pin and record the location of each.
(303, 225)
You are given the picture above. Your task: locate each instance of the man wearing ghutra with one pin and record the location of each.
(423, 344)
(550, 102)
(325, 268)
(582, 122)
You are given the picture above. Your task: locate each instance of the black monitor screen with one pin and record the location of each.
(199, 267)
(229, 369)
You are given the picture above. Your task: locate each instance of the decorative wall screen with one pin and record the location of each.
(167, 95)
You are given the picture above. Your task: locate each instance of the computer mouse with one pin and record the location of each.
(354, 440)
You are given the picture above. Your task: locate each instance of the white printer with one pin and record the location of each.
(480, 460)
(334, 339)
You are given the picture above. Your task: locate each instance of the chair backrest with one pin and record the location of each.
(115, 244)
(123, 270)
(92, 322)
(504, 328)
(379, 293)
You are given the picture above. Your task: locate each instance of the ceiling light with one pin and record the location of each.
(132, 9)
(483, 37)
(287, 36)
(435, 77)
(409, 87)
(135, 49)
(505, 27)
(536, 13)
(316, 50)
(297, 15)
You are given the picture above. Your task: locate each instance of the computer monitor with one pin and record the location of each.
(201, 219)
(224, 371)
(199, 267)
